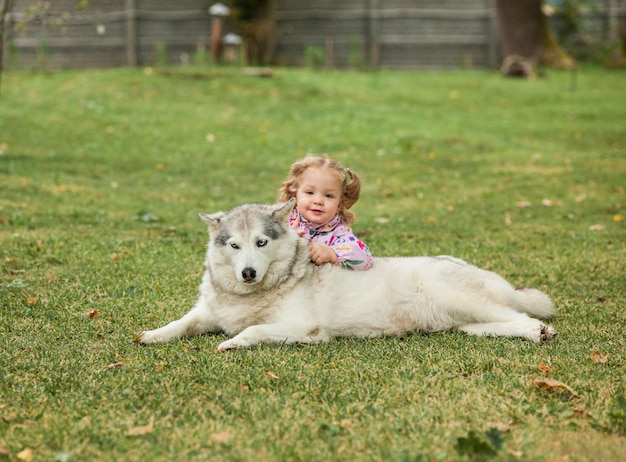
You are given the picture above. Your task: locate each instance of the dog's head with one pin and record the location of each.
(249, 242)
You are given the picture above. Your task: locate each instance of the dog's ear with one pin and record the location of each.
(212, 220)
(283, 211)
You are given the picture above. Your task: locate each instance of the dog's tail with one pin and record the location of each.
(534, 302)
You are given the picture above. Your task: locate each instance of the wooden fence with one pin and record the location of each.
(395, 34)
(387, 33)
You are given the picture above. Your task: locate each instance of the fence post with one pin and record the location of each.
(373, 33)
(612, 20)
(492, 35)
(131, 33)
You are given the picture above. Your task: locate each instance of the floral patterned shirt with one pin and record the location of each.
(352, 253)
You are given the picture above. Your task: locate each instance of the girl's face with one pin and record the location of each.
(319, 195)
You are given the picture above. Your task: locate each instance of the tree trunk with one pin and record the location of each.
(525, 32)
(619, 59)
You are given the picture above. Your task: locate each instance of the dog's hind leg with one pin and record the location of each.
(523, 326)
(286, 332)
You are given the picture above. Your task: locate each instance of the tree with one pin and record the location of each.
(525, 32)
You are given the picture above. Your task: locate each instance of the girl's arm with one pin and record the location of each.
(352, 253)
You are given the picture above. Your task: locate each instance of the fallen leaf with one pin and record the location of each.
(553, 385)
(271, 375)
(244, 388)
(140, 431)
(598, 357)
(548, 202)
(543, 368)
(431, 219)
(596, 228)
(116, 257)
(114, 365)
(581, 198)
(94, 314)
(31, 300)
(507, 219)
(524, 204)
(223, 437)
(617, 218)
(4, 451)
(25, 454)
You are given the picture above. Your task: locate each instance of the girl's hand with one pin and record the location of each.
(321, 253)
(295, 225)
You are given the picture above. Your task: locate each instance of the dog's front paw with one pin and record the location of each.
(146, 337)
(548, 333)
(233, 344)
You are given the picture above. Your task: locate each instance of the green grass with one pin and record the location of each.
(102, 174)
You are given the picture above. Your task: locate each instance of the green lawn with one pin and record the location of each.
(103, 173)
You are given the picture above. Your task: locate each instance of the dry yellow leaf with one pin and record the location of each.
(223, 437)
(543, 368)
(617, 218)
(143, 430)
(598, 357)
(113, 365)
(553, 385)
(271, 375)
(523, 204)
(25, 454)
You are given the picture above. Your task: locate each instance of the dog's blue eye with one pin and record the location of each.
(261, 243)
(234, 246)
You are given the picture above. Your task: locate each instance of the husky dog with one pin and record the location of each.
(261, 287)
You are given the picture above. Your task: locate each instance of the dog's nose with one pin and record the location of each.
(248, 274)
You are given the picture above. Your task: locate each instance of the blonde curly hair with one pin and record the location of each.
(351, 183)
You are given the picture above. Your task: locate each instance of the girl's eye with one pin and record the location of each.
(234, 246)
(261, 243)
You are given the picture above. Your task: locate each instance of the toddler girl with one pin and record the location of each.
(324, 191)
